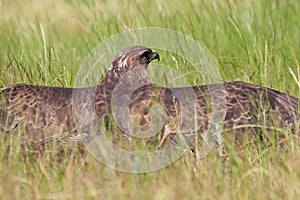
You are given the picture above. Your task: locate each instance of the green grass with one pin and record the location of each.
(44, 42)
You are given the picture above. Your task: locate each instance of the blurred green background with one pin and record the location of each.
(44, 42)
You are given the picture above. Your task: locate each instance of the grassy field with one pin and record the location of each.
(44, 42)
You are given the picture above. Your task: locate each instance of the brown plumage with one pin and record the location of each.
(239, 106)
(44, 113)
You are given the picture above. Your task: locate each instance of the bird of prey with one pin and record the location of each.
(44, 113)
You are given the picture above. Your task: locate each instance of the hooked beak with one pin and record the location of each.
(154, 55)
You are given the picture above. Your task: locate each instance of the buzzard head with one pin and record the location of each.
(132, 57)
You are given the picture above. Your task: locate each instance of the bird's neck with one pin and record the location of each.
(136, 77)
(109, 82)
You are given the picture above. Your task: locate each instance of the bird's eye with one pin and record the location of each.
(147, 54)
